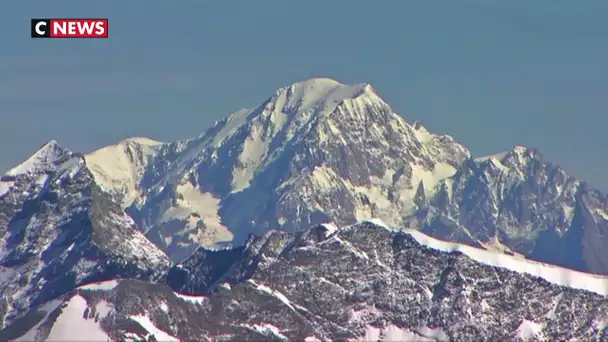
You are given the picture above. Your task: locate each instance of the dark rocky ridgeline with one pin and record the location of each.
(367, 277)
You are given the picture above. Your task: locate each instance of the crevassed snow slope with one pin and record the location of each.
(552, 274)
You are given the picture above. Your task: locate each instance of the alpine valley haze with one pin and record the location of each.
(320, 214)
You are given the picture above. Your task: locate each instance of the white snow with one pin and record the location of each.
(119, 168)
(331, 228)
(274, 293)
(377, 222)
(226, 286)
(396, 334)
(68, 169)
(103, 309)
(206, 205)
(495, 156)
(101, 286)
(41, 180)
(528, 330)
(233, 122)
(255, 148)
(71, 323)
(5, 187)
(32, 334)
(42, 159)
(137, 247)
(265, 329)
(602, 214)
(432, 334)
(365, 315)
(553, 274)
(551, 313)
(430, 179)
(198, 300)
(147, 324)
(371, 333)
(422, 134)
(319, 94)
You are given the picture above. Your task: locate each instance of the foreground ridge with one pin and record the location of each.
(361, 282)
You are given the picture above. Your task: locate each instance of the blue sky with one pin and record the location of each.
(492, 74)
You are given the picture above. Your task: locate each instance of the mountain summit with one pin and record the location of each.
(316, 151)
(319, 151)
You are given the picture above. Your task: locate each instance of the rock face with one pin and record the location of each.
(520, 201)
(59, 230)
(363, 282)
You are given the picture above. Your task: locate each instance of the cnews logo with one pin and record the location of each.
(69, 28)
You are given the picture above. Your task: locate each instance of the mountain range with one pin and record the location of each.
(181, 218)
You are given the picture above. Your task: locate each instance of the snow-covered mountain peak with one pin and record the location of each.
(144, 141)
(119, 168)
(48, 155)
(313, 142)
(316, 89)
(514, 161)
(319, 96)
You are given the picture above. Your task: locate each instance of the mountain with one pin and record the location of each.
(316, 151)
(361, 282)
(319, 151)
(59, 230)
(520, 203)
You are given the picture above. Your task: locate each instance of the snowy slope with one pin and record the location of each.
(119, 168)
(48, 154)
(319, 151)
(87, 314)
(329, 152)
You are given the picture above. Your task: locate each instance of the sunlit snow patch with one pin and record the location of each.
(553, 274)
(147, 324)
(71, 323)
(101, 286)
(529, 330)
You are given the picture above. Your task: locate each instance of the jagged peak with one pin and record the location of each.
(49, 154)
(518, 151)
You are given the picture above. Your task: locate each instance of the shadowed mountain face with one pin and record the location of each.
(364, 282)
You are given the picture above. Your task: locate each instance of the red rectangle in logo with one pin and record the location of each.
(70, 28)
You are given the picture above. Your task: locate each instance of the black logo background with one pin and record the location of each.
(46, 29)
